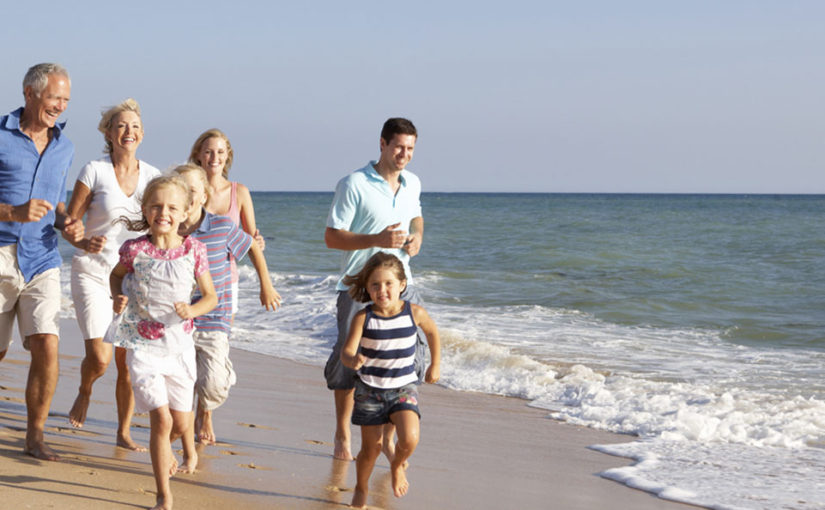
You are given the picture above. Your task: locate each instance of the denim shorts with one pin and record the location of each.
(374, 406)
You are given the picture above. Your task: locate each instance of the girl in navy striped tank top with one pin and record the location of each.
(381, 348)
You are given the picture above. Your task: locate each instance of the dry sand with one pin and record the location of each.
(476, 451)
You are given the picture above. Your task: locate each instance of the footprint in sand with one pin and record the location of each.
(14, 399)
(335, 488)
(315, 441)
(254, 426)
(11, 388)
(229, 452)
(72, 430)
(253, 466)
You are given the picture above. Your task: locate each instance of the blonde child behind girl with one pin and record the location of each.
(381, 348)
(151, 287)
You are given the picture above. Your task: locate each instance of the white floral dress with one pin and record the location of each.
(157, 279)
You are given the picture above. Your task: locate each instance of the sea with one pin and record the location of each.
(693, 325)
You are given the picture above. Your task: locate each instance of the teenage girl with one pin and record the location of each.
(381, 348)
(151, 286)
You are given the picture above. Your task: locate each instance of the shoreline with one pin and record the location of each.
(274, 449)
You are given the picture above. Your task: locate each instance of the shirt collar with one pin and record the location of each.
(206, 222)
(373, 174)
(13, 122)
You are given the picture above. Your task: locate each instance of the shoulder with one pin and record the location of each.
(418, 311)
(243, 194)
(151, 171)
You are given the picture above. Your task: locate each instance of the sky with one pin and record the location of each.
(548, 96)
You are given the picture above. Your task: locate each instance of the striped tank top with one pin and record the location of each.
(389, 346)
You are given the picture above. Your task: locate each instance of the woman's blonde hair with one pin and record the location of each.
(163, 181)
(200, 173)
(108, 115)
(206, 135)
(358, 282)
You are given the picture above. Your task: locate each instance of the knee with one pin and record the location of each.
(407, 442)
(97, 366)
(371, 449)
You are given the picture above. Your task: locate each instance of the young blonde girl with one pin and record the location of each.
(151, 286)
(381, 348)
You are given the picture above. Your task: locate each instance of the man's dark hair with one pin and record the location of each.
(397, 126)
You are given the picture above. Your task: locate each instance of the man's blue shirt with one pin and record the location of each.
(27, 174)
(365, 204)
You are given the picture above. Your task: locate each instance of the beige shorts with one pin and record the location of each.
(215, 372)
(92, 297)
(159, 380)
(35, 304)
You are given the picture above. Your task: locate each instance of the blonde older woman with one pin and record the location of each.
(105, 190)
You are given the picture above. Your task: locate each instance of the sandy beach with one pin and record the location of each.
(477, 451)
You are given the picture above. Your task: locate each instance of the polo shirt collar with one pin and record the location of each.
(206, 222)
(374, 175)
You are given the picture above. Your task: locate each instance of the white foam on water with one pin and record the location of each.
(718, 425)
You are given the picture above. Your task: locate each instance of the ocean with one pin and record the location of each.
(691, 323)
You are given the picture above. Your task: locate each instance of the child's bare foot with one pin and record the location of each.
(400, 485)
(173, 469)
(77, 415)
(206, 434)
(189, 464)
(39, 450)
(342, 450)
(359, 499)
(125, 441)
(163, 503)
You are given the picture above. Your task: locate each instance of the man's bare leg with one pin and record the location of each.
(344, 404)
(94, 364)
(125, 403)
(43, 373)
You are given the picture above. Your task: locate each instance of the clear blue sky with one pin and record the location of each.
(555, 96)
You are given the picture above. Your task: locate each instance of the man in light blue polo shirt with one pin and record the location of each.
(376, 208)
(35, 157)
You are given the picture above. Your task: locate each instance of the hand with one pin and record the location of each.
(360, 359)
(73, 230)
(119, 303)
(433, 374)
(390, 237)
(96, 244)
(259, 239)
(184, 310)
(413, 244)
(33, 210)
(270, 299)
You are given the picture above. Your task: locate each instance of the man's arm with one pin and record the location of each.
(416, 237)
(33, 210)
(390, 237)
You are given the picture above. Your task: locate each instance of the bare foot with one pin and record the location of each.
(163, 503)
(342, 450)
(400, 485)
(206, 434)
(39, 450)
(126, 442)
(189, 464)
(359, 499)
(77, 415)
(173, 469)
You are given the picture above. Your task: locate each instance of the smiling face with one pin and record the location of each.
(398, 152)
(212, 155)
(165, 209)
(385, 289)
(43, 110)
(126, 132)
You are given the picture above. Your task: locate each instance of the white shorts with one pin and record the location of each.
(235, 307)
(92, 296)
(35, 304)
(159, 380)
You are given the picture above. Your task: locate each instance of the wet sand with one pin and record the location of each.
(476, 451)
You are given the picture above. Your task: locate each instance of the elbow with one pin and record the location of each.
(329, 238)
